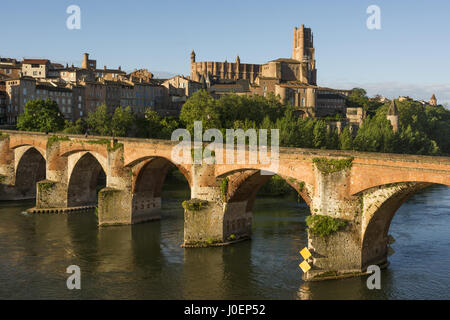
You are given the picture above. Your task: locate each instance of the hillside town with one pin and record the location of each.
(79, 90)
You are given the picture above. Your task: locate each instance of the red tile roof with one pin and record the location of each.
(35, 61)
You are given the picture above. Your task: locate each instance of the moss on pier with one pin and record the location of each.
(324, 225)
(194, 204)
(46, 185)
(327, 166)
(224, 188)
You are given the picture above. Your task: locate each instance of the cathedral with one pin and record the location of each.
(301, 67)
(293, 79)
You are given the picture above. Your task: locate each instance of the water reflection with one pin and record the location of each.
(145, 261)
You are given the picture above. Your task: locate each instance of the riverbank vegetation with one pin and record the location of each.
(423, 129)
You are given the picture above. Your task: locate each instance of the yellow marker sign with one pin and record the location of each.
(305, 266)
(305, 253)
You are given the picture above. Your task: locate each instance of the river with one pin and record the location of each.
(145, 261)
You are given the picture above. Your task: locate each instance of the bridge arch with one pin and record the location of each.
(86, 176)
(147, 184)
(242, 188)
(244, 184)
(30, 168)
(380, 205)
(363, 179)
(74, 157)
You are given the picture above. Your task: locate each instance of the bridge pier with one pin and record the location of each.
(362, 239)
(208, 219)
(336, 253)
(133, 194)
(115, 201)
(203, 214)
(7, 172)
(52, 192)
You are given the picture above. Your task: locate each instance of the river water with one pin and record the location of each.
(145, 261)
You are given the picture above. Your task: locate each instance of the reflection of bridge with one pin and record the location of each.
(365, 193)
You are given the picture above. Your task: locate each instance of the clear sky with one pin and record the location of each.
(410, 55)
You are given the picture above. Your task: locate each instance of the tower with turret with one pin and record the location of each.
(433, 100)
(392, 116)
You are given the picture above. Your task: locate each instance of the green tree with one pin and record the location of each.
(99, 122)
(40, 115)
(375, 135)
(320, 135)
(357, 98)
(153, 124)
(77, 127)
(200, 107)
(122, 121)
(346, 139)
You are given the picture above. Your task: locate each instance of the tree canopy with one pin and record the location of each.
(41, 115)
(423, 129)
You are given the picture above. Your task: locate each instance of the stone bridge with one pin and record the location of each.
(363, 190)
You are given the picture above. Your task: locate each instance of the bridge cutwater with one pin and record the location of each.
(61, 172)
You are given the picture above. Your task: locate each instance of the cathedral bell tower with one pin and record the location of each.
(303, 51)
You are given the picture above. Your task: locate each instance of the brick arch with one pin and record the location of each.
(364, 178)
(82, 181)
(140, 167)
(244, 184)
(380, 204)
(35, 140)
(99, 152)
(37, 147)
(76, 155)
(146, 188)
(30, 168)
(289, 168)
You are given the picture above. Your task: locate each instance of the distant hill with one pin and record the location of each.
(163, 74)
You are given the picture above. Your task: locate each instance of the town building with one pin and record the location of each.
(10, 68)
(18, 92)
(36, 68)
(3, 102)
(179, 88)
(78, 91)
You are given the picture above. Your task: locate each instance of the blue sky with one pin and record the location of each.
(408, 56)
